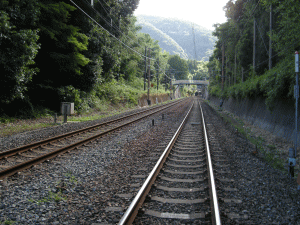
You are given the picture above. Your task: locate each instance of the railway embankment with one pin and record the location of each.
(270, 133)
(280, 121)
(23, 125)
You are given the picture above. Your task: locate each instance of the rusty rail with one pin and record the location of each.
(27, 164)
(132, 210)
(73, 133)
(134, 207)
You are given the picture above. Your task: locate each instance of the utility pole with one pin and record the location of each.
(194, 45)
(157, 75)
(227, 77)
(165, 82)
(254, 44)
(235, 68)
(149, 52)
(296, 96)
(145, 74)
(270, 40)
(223, 55)
(171, 85)
(242, 74)
(293, 152)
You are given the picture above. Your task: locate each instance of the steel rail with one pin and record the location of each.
(133, 208)
(24, 148)
(27, 164)
(216, 214)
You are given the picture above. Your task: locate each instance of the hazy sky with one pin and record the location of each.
(203, 12)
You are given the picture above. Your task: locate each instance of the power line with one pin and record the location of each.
(117, 27)
(246, 22)
(262, 39)
(194, 41)
(110, 33)
(145, 57)
(112, 24)
(274, 56)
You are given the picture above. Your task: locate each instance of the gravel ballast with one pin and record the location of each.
(85, 186)
(268, 195)
(95, 184)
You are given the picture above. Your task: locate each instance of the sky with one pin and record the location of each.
(202, 12)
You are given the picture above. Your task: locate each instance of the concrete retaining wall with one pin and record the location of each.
(160, 98)
(280, 122)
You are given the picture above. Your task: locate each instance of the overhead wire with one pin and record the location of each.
(113, 25)
(109, 32)
(262, 38)
(119, 29)
(274, 56)
(121, 42)
(251, 14)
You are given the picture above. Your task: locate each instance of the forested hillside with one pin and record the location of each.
(56, 51)
(257, 44)
(176, 36)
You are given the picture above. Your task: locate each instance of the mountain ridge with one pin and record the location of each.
(176, 36)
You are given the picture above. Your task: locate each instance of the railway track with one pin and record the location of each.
(21, 158)
(189, 184)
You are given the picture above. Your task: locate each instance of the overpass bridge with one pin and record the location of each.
(190, 82)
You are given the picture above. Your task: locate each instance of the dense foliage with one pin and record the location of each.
(19, 46)
(51, 51)
(241, 78)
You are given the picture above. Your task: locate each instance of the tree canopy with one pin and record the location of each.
(247, 72)
(54, 51)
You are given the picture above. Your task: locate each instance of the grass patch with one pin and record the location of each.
(56, 197)
(72, 178)
(9, 222)
(14, 129)
(87, 118)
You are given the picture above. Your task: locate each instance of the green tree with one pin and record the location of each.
(18, 47)
(202, 71)
(178, 67)
(61, 57)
